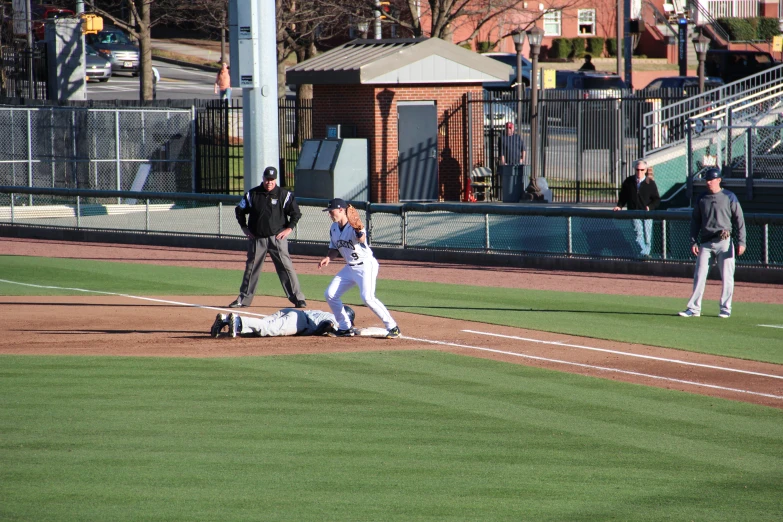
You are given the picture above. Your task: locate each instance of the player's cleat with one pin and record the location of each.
(724, 315)
(393, 333)
(301, 304)
(348, 332)
(221, 320)
(234, 324)
(689, 313)
(237, 304)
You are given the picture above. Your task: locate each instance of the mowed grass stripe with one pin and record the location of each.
(635, 319)
(382, 436)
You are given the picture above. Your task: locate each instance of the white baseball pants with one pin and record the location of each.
(362, 275)
(724, 252)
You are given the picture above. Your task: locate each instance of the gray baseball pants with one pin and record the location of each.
(256, 253)
(724, 253)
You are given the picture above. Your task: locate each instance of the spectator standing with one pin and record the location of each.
(267, 215)
(715, 213)
(511, 148)
(223, 83)
(588, 65)
(639, 192)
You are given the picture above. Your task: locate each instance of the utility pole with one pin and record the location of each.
(253, 39)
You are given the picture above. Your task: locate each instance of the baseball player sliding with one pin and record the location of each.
(347, 238)
(285, 322)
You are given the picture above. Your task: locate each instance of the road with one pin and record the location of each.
(177, 82)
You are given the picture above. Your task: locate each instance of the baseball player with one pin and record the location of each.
(714, 214)
(285, 322)
(350, 242)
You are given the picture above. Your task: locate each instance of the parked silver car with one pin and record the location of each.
(115, 46)
(97, 68)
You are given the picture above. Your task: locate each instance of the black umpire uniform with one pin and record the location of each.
(263, 214)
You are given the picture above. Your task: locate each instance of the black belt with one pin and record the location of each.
(357, 264)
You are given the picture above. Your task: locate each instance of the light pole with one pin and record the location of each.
(534, 37)
(519, 39)
(701, 44)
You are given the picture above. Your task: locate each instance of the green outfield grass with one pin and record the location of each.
(371, 436)
(646, 320)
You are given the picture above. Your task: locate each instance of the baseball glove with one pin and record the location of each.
(724, 235)
(353, 218)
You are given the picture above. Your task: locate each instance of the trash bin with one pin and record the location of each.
(513, 181)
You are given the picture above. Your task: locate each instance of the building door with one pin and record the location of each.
(417, 131)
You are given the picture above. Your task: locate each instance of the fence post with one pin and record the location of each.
(765, 244)
(78, 212)
(12, 208)
(117, 150)
(663, 239)
(486, 232)
(689, 160)
(749, 163)
(220, 218)
(30, 154)
(368, 217)
(404, 225)
(570, 247)
(146, 215)
(193, 172)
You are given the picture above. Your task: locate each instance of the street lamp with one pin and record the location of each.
(701, 44)
(534, 37)
(519, 38)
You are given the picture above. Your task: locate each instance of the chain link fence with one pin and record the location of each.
(478, 228)
(95, 148)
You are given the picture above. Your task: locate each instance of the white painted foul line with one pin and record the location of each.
(457, 345)
(770, 325)
(627, 354)
(592, 367)
(189, 305)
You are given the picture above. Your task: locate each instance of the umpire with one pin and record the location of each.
(714, 214)
(267, 215)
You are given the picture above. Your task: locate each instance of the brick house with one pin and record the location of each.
(407, 98)
(597, 18)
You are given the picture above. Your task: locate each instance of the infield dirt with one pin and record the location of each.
(124, 326)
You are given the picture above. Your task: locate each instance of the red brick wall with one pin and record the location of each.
(373, 110)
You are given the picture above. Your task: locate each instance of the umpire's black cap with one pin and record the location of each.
(270, 173)
(335, 204)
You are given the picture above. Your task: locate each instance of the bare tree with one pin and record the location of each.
(138, 17)
(212, 15)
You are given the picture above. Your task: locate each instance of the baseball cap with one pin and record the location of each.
(270, 173)
(509, 124)
(712, 174)
(336, 203)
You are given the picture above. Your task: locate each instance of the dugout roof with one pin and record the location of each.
(398, 61)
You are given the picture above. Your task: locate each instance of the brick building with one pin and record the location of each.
(407, 98)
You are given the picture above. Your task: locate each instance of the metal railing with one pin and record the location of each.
(95, 148)
(702, 15)
(666, 126)
(733, 8)
(589, 142)
(453, 227)
(23, 72)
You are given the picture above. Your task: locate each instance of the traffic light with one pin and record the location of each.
(385, 8)
(92, 24)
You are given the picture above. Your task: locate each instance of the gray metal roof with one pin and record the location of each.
(405, 61)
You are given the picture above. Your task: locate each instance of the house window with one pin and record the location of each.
(586, 22)
(552, 22)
